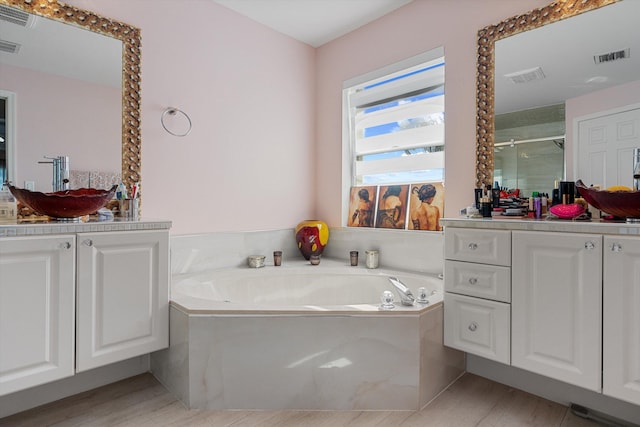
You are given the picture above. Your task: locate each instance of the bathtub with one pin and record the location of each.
(304, 337)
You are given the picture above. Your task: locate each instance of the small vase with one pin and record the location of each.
(312, 236)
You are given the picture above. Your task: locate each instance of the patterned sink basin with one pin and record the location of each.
(65, 204)
(623, 204)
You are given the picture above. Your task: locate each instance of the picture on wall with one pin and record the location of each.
(426, 206)
(362, 203)
(392, 206)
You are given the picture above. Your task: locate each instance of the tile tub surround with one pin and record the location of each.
(416, 251)
(297, 362)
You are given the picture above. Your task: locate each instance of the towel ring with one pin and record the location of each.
(172, 112)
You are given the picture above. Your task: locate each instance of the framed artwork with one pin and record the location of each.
(362, 206)
(392, 206)
(426, 206)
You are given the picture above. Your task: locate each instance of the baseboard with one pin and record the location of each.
(50, 392)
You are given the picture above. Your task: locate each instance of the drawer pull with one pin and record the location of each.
(473, 280)
(473, 326)
(473, 246)
(88, 242)
(65, 245)
(616, 247)
(589, 246)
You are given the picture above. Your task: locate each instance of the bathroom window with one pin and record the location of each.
(393, 124)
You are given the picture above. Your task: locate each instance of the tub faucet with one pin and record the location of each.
(406, 297)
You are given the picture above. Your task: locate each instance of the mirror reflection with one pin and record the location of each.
(62, 85)
(547, 81)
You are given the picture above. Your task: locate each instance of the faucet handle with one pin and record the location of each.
(422, 296)
(387, 300)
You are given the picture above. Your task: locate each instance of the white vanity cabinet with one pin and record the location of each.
(621, 320)
(123, 296)
(96, 295)
(556, 305)
(477, 285)
(36, 310)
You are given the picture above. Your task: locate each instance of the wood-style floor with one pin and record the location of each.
(141, 401)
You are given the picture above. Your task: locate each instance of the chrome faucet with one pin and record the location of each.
(60, 172)
(406, 297)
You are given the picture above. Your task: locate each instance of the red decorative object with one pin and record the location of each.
(312, 236)
(623, 204)
(65, 204)
(570, 211)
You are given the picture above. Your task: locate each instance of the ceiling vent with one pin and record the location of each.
(9, 47)
(16, 16)
(612, 56)
(526, 76)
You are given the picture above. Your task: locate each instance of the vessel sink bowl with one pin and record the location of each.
(622, 204)
(65, 204)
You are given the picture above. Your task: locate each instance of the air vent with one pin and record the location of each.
(9, 47)
(612, 56)
(15, 16)
(526, 76)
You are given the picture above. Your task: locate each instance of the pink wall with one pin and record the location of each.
(248, 163)
(88, 129)
(277, 160)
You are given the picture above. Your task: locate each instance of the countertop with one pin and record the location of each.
(37, 228)
(557, 225)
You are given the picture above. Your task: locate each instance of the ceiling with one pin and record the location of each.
(565, 52)
(314, 22)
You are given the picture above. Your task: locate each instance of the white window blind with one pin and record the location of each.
(396, 125)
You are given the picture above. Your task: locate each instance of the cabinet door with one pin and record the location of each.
(478, 280)
(477, 326)
(123, 296)
(482, 246)
(36, 310)
(621, 340)
(557, 306)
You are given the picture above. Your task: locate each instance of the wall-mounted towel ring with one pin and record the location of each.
(171, 111)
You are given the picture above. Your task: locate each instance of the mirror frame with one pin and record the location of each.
(485, 97)
(131, 70)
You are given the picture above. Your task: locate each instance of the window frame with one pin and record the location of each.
(348, 143)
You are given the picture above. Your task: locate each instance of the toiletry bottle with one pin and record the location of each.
(478, 196)
(485, 207)
(8, 206)
(495, 195)
(544, 202)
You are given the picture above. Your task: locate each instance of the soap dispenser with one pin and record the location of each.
(8, 205)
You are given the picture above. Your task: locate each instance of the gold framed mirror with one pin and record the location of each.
(131, 70)
(485, 78)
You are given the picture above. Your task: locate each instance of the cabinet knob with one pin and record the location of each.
(65, 245)
(88, 242)
(473, 246)
(589, 246)
(473, 280)
(473, 326)
(616, 247)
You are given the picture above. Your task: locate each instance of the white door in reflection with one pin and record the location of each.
(605, 147)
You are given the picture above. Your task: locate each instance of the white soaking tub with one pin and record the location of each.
(304, 337)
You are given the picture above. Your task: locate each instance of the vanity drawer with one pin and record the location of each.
(478, 326)
(483, 246)
(479, 280)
